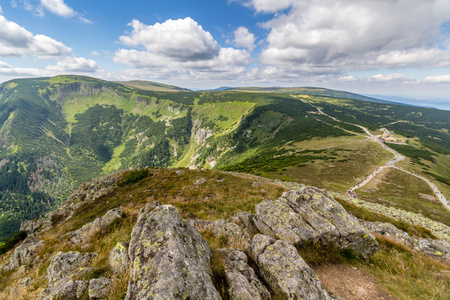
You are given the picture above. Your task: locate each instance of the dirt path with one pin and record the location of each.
(390, 164)
(350, 283)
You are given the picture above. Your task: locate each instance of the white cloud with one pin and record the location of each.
(95, 53)
(388, 77)
(243, 38)
(437, 79)
(73, 65)
(1, 10)
(267, 6)
(58, 7)
(17, 41)
(178, 49)
(182, 39)
(355, 34)
(67, 65)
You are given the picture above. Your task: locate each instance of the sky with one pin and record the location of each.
(383, 47)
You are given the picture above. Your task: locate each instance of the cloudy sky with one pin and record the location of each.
(384, 47)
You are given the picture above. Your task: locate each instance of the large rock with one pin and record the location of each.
(241, 278)
(24, 254)
(61, 272)
(67, 290)
(309, 215)
(64, 265)
(83, 235)
(118, 258)
(285, 271)
(99, 288)
(169, 258)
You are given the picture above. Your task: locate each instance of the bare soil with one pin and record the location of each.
(350, 283)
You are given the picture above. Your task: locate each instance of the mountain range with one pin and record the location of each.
(56, 133)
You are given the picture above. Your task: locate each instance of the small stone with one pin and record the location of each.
(200, 181)
(118, 258)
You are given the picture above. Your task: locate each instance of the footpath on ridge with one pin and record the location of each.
(390, 164)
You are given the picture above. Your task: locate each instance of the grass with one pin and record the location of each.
(408, 275)
(404, 191)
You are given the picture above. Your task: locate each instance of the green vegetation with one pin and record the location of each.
(58, 132)
(415, 154)
(133, 177)
(10, 242)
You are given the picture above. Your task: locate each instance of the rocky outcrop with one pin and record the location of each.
(242, 280)
(285, 271)
(61, 272)
(83, 235)
(169, 258)
(99, 288)
(439, 249)
(24, 254)
(118, 258)
(309, 215)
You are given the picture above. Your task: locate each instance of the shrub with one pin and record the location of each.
(133, 176)
(10, 242)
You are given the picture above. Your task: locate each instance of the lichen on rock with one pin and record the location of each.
(169, 258)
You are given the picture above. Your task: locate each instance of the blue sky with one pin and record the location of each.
(379, 47)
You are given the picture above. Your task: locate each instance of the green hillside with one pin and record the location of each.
(56, 133)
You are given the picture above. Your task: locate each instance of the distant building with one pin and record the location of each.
(388, 136)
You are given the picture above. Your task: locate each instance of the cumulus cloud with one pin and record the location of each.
(73, 65)
(355, 34)
(95, 53)
(58, 7)
(182, 39)
(67, 65)
(1, 10)
(17, 41)
(243, 38)
(179, 49)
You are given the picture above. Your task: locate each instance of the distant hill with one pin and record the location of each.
(313, 91)
(152, 86)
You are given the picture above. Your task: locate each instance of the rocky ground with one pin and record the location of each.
(166, 256)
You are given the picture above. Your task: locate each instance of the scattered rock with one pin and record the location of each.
(241, 278)
(285, 271)
(83, 235)
(99, 288)
(118, 258)
(179, 172)
(200, 181)
(169, 258)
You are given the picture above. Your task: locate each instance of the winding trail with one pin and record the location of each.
(390, 164)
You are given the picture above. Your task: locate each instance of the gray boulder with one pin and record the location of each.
(285, 271)
(118, 258)
(67, 290)
(24, 254)
(67, 264)
(309, 215)
(82, 235)
(169, 258)
(241, 278)
(99, 288)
